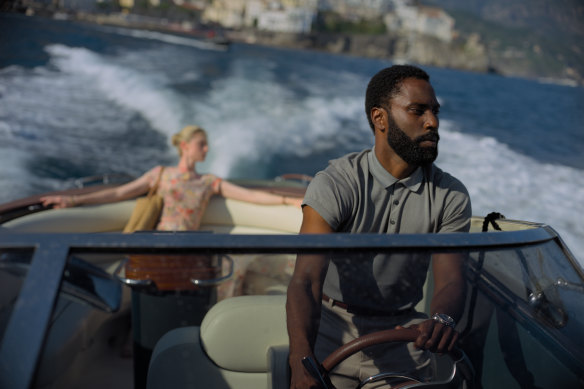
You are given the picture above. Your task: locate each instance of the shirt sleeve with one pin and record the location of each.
(457, 209)
(324, 195)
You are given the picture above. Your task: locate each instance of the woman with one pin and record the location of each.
(186, 195)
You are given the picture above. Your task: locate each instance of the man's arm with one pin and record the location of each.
(303, 302)
(448, 297)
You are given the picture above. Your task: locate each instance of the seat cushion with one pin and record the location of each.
(238, 332)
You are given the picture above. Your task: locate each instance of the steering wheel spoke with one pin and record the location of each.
(402, 380)
(461, 366)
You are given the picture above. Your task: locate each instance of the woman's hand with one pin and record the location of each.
(294, 201)
(59, 201)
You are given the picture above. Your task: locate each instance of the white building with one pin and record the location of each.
(293, 16)
(294, 20)
(296, 16)
(342, 6)
(424, 20)
(228, 13)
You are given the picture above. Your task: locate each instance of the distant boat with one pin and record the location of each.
(140, 26)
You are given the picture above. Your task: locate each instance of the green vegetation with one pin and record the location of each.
(514, 48)
(332, 22)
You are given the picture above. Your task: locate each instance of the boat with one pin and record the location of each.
(84, 305)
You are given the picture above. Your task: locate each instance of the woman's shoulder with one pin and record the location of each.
(159, 170)
(213, 181)
(209, 176)
(156, 169)
(152, 175)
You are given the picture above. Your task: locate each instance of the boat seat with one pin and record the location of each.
(241, 343)
(94, 218)
(222, 216)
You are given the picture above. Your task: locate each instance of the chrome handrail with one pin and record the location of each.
(147, 283)
(216, 281)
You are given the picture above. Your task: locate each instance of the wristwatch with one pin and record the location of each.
(444, 319)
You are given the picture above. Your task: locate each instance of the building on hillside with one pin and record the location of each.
(423, 20)
(228, 13)
(293, 16)
(358, 9)
(293, 20)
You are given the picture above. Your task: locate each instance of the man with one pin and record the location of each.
(393, 188)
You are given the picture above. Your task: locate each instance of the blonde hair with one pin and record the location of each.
(186, 134)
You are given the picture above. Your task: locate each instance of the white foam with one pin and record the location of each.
(253, 118)
(144, 93)
(502, 180)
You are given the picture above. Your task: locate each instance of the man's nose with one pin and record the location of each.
(431, 121)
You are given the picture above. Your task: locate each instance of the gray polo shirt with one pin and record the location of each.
(356, 194)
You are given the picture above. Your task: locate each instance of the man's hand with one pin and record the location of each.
(300, 377)
(434, 336)
(448, 298)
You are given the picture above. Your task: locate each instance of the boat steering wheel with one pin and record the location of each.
(462, 370)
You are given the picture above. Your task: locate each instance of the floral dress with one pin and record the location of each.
(186, 196)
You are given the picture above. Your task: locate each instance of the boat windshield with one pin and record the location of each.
(61, 294)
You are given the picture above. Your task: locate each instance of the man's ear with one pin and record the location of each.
(378, 117)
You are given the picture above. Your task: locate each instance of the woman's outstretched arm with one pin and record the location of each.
(236, 192)
(129, 190)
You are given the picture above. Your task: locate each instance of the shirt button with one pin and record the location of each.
(392, 221)
(395, 202)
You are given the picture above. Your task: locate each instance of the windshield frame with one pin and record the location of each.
(26, 331)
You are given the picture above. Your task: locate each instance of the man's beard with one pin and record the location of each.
(410, 150)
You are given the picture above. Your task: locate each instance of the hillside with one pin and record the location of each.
(557, 17)
(528, 38)
(536, 39)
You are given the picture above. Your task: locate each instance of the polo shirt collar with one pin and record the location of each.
(412, 182)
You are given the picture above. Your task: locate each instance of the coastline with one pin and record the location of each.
(469, 55)
(465, 54)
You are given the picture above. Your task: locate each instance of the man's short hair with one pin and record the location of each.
(386, 84)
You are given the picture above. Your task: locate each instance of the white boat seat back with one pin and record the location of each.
(244, 345)
(94, 218)
(238, 332)
(238, 217)
(222, 216)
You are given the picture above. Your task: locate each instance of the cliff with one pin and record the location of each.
(465, 54)
(527, 38)
(509, 55)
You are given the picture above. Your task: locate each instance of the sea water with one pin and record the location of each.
(79, 100)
